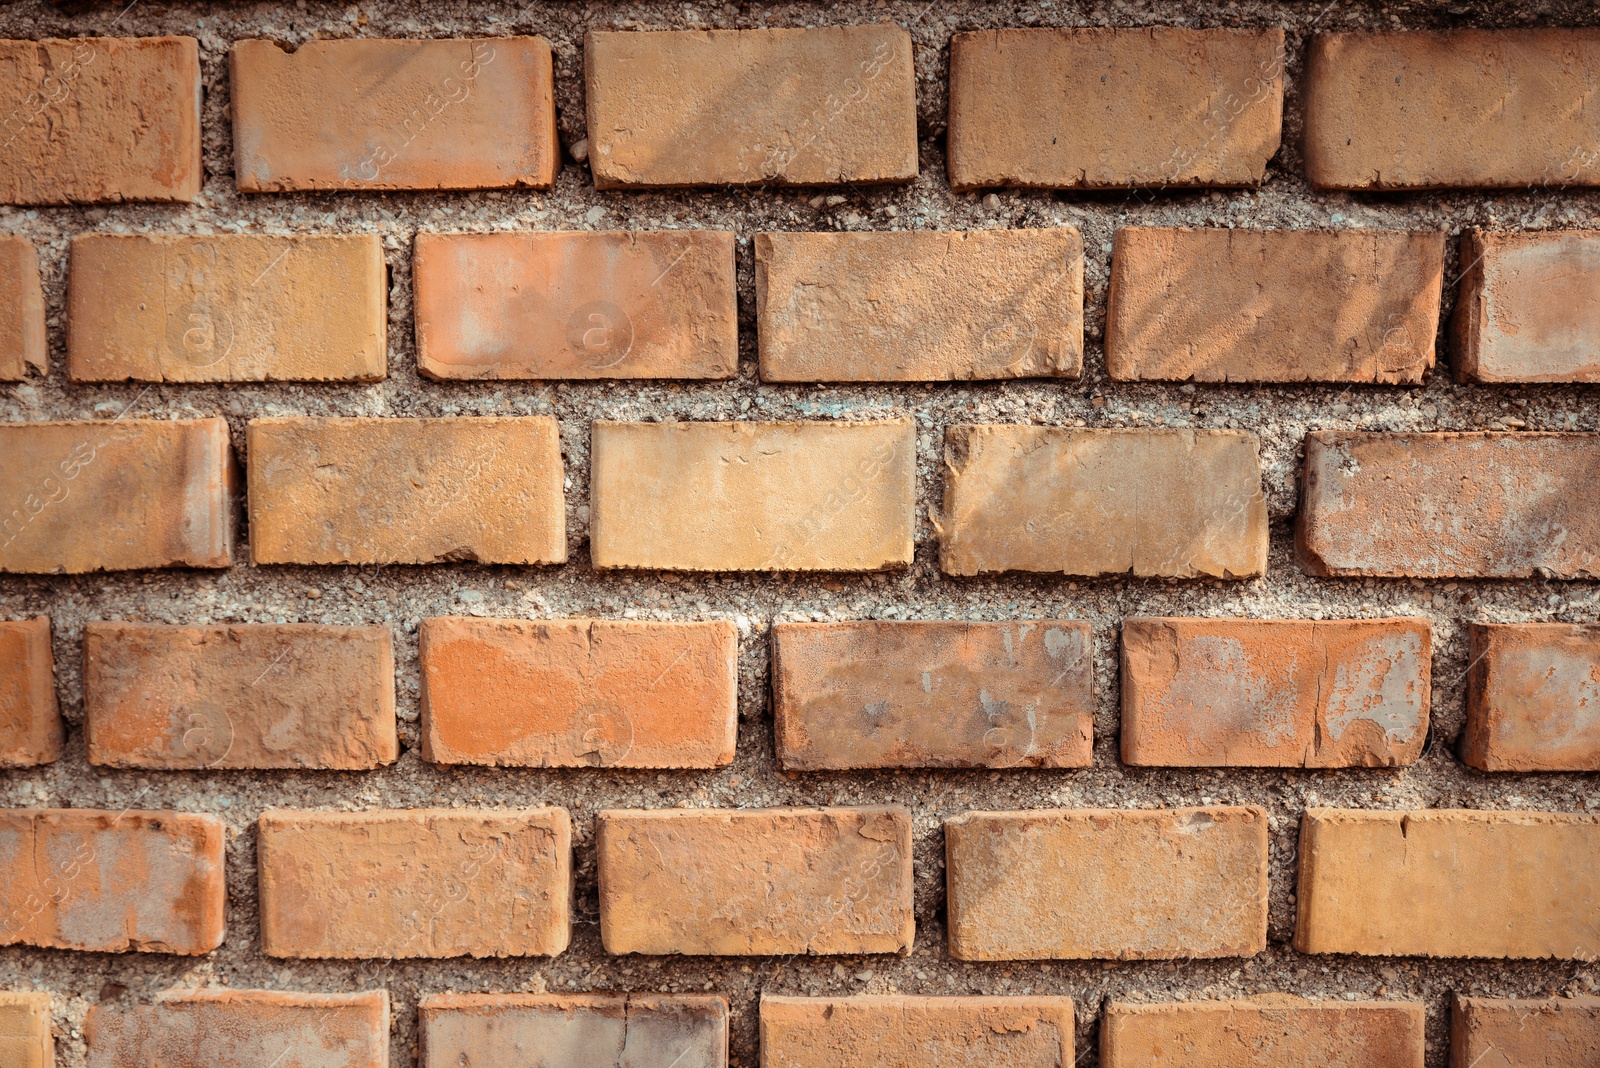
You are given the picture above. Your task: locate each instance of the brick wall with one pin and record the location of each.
(917, 536)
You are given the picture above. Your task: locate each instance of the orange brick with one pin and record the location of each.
(1172, 503)
(574, 1031)
(415, 883)
(99, 120)
(574, 693)
(295, 695)
(1507, 96)
(933, 694)
(1101, 108)
(816, 106)
(1273, 305)
(394, 114)
(1464, 505)
(25, 1039)
(577, 305)
(226, 308)
(1533, 697)
(753, 496)
(1269, 1031)
(1527, 306)
(30, 719)
(763, 881)
(920, 306)
(111, 882)
(1280, 693)
(1072, 884)
(1445, 883)
(1524, 1033)
(208, 1028)
(116, 495)
(406, 491)
(22, 340)
(916, 1032)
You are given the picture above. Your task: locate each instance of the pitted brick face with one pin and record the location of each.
(25, 1038)
(1527, 307)
(1533, 697)
(1522, 1032)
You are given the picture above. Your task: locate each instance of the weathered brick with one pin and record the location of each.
(1524, 1033)
(756, 881)
(25, 1039)
(1533, 697)
(933, 694)
(30, 718)
(415, 883)
(226, 308)
(814, 106)
(1463, 505)
(574, 1031)
(1280, 693)
(1101, 108)
(1443, 883)
(111, 882)
(99, 120)
(920, 305)
(22, 339)
(116, 495)
(1511, 100)
(394, 114)
(406, 491)
(1219, 305)
(293, 695)
(1173, 503)
(753, 496)
(1527, 307)
(573, 693)
(210, 1028)
(916, 1032)
(1070, 884)
(1267, 1031)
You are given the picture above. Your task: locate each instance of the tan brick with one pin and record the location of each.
(406, 491)
(1527, 307)
(111, 882)
(116, 495)
(1510, 99)
(574, 1031)
(753, 496)
(30, 718)
(916, 1032)
(1173, 503)
(1524, 1033)
(756, 881)
(920, 306)
(1071, 884)
(22, 339)
(1268, 1031)
(227, 308)
(572, 693)
(100, 120)
(25, 1039)
(1533, 697)
(1463, 505)
(1443, 883)
(293, 695)
(933, 694)
(208, 1028)
(415, 883)
(815, 106)
(394, 114)
(1101, 108)
(1218, 305)
(1279, 693)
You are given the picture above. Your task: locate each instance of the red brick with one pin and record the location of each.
(1527, 306)
(394, 114)
(30, 719)
(734, 882)
(916, 1032)
(933, 694)
(294, 695)
(22, 340)
(1268, 1031)
(573, 693)
(25, 1039)
(100, 120)
(1281, 693)
(1463, 505)
(574, 1031)
(1533, 697)
(111, 882)
(1524, 1033)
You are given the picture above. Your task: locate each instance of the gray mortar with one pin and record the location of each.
(402, 596)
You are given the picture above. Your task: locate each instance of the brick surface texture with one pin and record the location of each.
(901, 1032)
(22, 334)
(1525, 303)
(1263, 1033)
(1533, 698)
(582, 1031)
(30, 716)
(25, 1038)
(1512, 1032)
